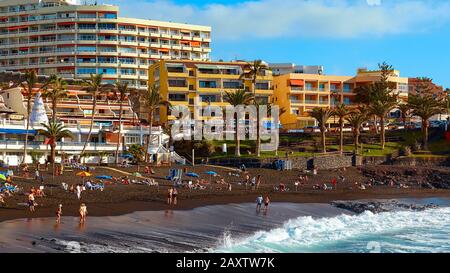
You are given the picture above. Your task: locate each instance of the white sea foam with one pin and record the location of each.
(397, 231)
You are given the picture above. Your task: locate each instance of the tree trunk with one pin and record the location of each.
(237, 152)
(376, 125)
(425, 134)
(28, 127)
(383, 131)
(341, 136)
(54, 110)
(119, 137)
(356, 140)
(52, 152)
(149, 137)
(324, 147)
(258, 137)
(92, 124)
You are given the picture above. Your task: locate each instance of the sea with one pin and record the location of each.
(239, 228)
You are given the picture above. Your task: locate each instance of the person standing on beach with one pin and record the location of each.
(78, 191)
(169, 196)
(266, 203)
(174, 196)
(58, 214)
(83, 213)
(259, 201)
(36, 175)
(31, 201)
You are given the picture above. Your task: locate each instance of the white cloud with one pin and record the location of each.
(298, 18)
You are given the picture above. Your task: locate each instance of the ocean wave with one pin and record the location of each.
(396, 231)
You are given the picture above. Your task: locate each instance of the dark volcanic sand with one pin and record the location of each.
(120, 199)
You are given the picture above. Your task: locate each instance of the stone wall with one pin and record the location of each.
(329, 162)
(422, 162)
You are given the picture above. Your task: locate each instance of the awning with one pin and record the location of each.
(215, 66)
(66, 23)
(17, 131)
(196, 44)
(335, 82)
(296, 82)
(163, 50)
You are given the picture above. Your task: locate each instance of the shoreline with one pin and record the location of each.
(129, 207)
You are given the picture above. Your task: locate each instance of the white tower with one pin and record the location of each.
(38, 114)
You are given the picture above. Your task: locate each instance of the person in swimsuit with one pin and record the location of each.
(266, 203)
(83, 212)
(169, 196)
(31, 201)
(174, 196)
(58, 214)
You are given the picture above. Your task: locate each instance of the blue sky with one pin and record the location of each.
(342, 35)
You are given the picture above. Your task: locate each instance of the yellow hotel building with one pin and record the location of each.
(183, 82)
(299, 93)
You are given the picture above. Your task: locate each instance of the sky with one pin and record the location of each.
(341, 35)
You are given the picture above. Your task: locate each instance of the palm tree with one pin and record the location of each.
(424, 105)
(95, 88)
(31, 79)
(322, 115)
(152, 101)
(54, 132)
(256, 69)
(122, 92)
(341, 111)
(239, 97)
(404, 112)
(55, 93)
(356, 119)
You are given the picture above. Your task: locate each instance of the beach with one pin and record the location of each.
(119, 199)
(238, 228)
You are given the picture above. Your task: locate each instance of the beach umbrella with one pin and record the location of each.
(137, 174)
(193, 175)
(2, 177)
(83, 175)
(103, 177)
(211, 174)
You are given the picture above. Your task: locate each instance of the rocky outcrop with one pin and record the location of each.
(379, 206)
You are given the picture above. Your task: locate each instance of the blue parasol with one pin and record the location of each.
(193, 175)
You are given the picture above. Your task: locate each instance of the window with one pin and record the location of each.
(86, 26)
(126, 60)
(107, 26)
(87, 15)
(107, 60)
(232, 85)
(262, 85)
(208, 84)
(87, 37)
(87, 48)
(347, 87)
(208, 98)
(86, 71)
(177, 83)
(86, 60)
(177, 97)
(107, 71)
(109, 16)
